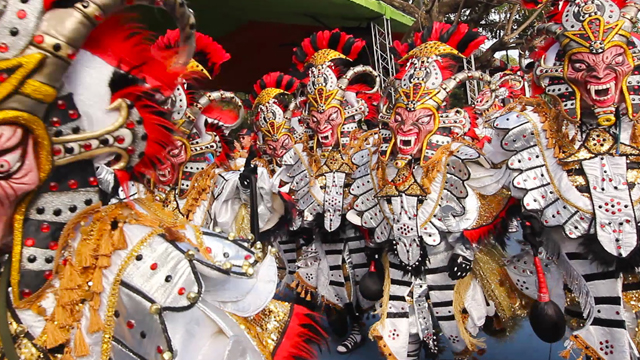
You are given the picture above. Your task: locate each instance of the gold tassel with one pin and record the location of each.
(84, 254)
(103, 262)
(67, 297)
(54, 335)
(67, 354)
(302, 293)
(62, 316)
(105, 247)
(581, 356)
(70, 278)
(119, 240)
(309, 296)
(96, 280)
(95, 322)
(565, 353)
(80, 347)
(294, 284)
(95, 301)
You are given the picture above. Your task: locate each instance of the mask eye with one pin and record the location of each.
(579, 66)
(617, 60)
(425, 119)
(333, 116)
(397, 119)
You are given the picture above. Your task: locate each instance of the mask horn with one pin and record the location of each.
(357, 70)
(214, 96)
(448, 85)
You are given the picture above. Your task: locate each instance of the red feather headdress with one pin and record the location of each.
(208, 53)
(460, 37)
(126, 45)
(343, 44)
(274, 80)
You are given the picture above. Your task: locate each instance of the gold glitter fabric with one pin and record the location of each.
(488, 269)
(266, 327)
(491, 206)
(243, 222)
(325, 55)
(431, 48)
(403, 182)
(25, 348)
(632, 298)
(266, 95)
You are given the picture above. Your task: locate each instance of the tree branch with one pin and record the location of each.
(524, 25)
(512, 15)
(457, 19)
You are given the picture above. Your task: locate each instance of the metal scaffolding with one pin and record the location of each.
(472, 86)
(382, 43)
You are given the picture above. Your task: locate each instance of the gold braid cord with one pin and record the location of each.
(80, 272)
(459, 293)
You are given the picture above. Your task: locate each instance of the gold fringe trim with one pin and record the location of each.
(199, 190)
(584, 347)
(432, 168)
(373, 331)
(459, 293)
(81, 277)
(488, 268)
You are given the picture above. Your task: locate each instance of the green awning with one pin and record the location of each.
(219, 17)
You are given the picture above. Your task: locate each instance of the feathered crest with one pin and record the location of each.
(208, 53)
(274, 80)
(126, 45)
(343, 45)
(460, 37)
(158, 129)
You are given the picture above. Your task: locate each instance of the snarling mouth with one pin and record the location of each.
(407, 143)
(601, 92)
(325, 136)
(165, 175)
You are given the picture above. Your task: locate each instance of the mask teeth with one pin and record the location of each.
(606, 116)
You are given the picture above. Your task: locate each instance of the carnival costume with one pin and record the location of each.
(573, 157)
(427, 196)
(74, 291)
(319, 173)
(275, 111)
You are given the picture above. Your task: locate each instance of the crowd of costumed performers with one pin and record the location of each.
(131, 229)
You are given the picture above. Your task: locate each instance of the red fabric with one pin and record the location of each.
(48, 4)
(126, 45)
(481, 233)
(302, 336)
